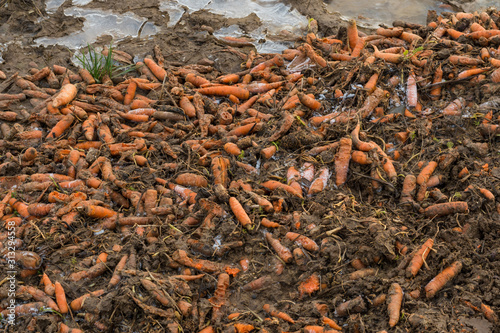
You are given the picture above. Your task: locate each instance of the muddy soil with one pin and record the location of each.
(361, 224)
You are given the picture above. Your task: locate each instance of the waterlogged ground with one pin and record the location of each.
(359, 223)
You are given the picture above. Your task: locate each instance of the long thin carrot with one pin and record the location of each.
(116, 274)
(446, 208)
(342, 159)
(241, 93)
(273, 185)
(306, 242)
(157, 71)
(438, 282)
(394, 299)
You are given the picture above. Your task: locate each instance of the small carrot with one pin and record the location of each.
(440, 280)
(371, 83)
(61, 298)
(394, 299)
(411, 91)
(342, 159)
(77, 303)
(240, 213)
(489, 313)
(273, 185)
(426, 172)
(331, 323)
(49, 286)
(278, 314)
(304, 241)
(309, 101)
(243, 328)
(418, 259)
(283, 252)
(310, 285)
(61, 126)
(232, 149)
(269, 224)
(389, 57)
(268, 152)
(320, 182)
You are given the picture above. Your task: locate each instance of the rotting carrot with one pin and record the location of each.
(232, 149)
(320, 182)
(411, 91)
(49, 286)
(269, 224)
(61, 126)
(282, 251)
(361, 273)
(342, 159)
(371, 83)
(243, 328)
(278, 314)
(61, 298)
(191, 179)
(240, 213)
(426, 172)
(117, 273)
(489, 313)
(446, 208)
(389, 57)
(309, 286)
(440, 280)
(418, 259)
(273, 185)
(394, 299)
(304, 241)
(77, 303)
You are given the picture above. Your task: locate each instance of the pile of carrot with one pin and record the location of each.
(164, 187)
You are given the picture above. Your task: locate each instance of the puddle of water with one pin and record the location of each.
(371, 13)
(51, 6)
(99, 22)
(275, 17)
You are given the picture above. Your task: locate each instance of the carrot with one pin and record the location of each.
(320, 182)
(411, 91)
(391, 32)
(470, 72)
(310, 285)
(418, 259)
(372, 82)
(278, 314)
(77, 303)
(200, 264)
(245, 129)
(61, 126)
(157, 71)
(483, 33)
(65, 96)
(426, 172)
(273, 185)
(232, 149)
(342, 159)
(316, 58)
(24, 309)
(361, 273)
(489, 313)
(208, 329)
(389, 57)
(220, 167)
(49, 286)
(394, 299)
(185, 193)
(191, 179)
(309, 101)
(97, 212)
(331, 323)
(268, 152)
(495, 75)
(464, 60)
(239, 92)
(61, 298)
(304, 241)
(38, 295)
(276, 61)
(243, 328)
(446, 208)
(63, 328)
(269, 224)
(283, 252)
(240, 213)
(352, 33)
(440, 280)
(155, 291)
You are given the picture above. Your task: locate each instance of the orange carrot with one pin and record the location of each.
(49, 286)
(61, 298)
(77, 303)
(331, 323)
(446, 208)
(392, 32)
(281, 315)
(65, 96)
(241, 93)
(438, 282)
(232, 149)
(372, 82)
(240, 213)
(320, 182)
(310, 285)
(389, 57)
(196, 80)
(309, 101)
(464, 60)
(394, 299)
(418, 259)
(191, 179)
(116, 274)
(273, 185)
(269, 224)
(243, 328)
(304, 241)
(426, 172)
(483, 33)
(130, 94)
(268, 152)
(352, 33)
(470, 72)
(157, 71)
(411, 91)
(489, 313)
(61, 126)
(283, 252)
